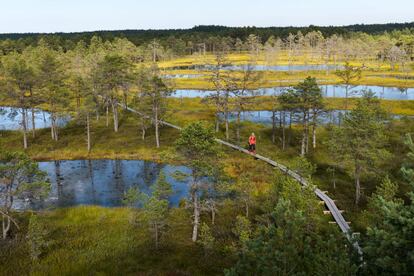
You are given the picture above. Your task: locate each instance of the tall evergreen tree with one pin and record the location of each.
(18, 80)
(20, 178)
(388, 246)
(112, 75)
(360, 143)
(198, 147)
(306, 98)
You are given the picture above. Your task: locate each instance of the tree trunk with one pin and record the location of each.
(107, 116)
(156, 235)
(273, 126)
(307, 133)
(52, 130)
(217, 102)
(303, 146)
(88, 131)
(115, 113)
(246, 206)
(5, 226)
(157, 135)
(213, 215)
(346, 96)
(314, 124)
(226, 115)
(196, 214)
(290, 127)
(283, 131)
(54, 127)
(227, 124)
(280, 119)
(217, 122)
(125, 101)
(33, 124)
(97, 108)
(238, 126)
(143, 133)
(78, 100)
(357, 184)
(27, 119)
(24, 125)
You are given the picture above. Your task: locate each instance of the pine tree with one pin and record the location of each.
(36, 237)
(360, 143)
(198, 147)
(388, 246)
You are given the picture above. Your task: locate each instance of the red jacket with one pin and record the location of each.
(252, 140)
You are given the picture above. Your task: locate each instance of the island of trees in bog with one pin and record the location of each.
(117, 151)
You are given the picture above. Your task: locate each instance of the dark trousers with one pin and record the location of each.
(252, 147)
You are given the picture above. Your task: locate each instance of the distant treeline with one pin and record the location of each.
(199, 34)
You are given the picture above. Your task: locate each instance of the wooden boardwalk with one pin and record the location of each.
(328, 202)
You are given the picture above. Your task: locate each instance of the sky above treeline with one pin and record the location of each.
(91, 15)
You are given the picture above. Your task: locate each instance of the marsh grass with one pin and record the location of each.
(91, 240)
(374, 72)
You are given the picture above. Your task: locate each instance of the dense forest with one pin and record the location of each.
(192, 38)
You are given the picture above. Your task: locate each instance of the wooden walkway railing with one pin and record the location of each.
(329, 203)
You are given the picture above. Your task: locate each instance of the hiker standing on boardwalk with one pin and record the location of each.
(252, 144)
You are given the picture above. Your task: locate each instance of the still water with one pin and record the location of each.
(11, 119)
(105, 182)
(329, 91)
(294, 67)
(265, 117)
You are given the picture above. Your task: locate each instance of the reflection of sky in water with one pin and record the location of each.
(294, 67)
(182, 76)
(264, 117)
(11, 119)
(105, 182)
(330, 91)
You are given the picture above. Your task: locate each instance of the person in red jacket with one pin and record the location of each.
(252, 143)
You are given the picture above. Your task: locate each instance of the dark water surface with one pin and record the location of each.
(105, 182)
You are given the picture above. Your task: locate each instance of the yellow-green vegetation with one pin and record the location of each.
(280, 79)
(108, 241)
(240, 213)
(127, 143)
(111, 241)
(374, 72)
(281, 58)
